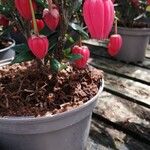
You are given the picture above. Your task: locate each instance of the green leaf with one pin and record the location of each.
(53, 39)
(78, 29)
(55, 65)
(63, 66)
(73, 57)
(69, 38)
(20, 47)
(67, 51)
(22, 54)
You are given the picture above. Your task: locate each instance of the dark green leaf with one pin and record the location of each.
(69, 38)
(22, 57)
(73, 57)
(63, 66)
(20, 47)
(79, 29)
(41, 3)
(55, 65)
(67, 52)
(22, 53)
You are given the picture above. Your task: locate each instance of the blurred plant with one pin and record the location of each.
(133, 13)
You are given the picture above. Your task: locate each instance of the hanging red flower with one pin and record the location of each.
(99, 17)
(51, 17)
(115, 44)
(23, 7)
(38, 44)
(3, 21)
(84, 52)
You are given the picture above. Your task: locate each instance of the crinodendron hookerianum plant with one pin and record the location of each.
(48, 27)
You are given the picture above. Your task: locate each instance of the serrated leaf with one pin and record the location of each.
(78, 29)
(73, 57)
(55, 65)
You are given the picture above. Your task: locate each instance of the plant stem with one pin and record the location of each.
(116, 30)
(34, 19)
(63, 29)
(80, 41)
(50, 4)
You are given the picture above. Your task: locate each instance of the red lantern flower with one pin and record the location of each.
(51, 17)
(84, 52)
(23, 7)
(114, 44)
(148, 1)
(38, 45)
(99, 17)
(3, 21)
(40, 24)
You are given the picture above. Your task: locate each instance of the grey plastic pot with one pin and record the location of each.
(9, 47)
(135, 41)
(7, 54)
(65, 131)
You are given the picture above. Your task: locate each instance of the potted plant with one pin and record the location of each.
(133, 27)
(47, 98)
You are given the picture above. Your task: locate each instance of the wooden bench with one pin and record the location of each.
(121, 118)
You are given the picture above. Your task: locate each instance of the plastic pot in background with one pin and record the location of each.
(135, 41)
(7, 53)
(65, 131)
(7, 44)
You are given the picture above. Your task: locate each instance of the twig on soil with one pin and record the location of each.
(21, 83)
(29, 91)
(7, 101)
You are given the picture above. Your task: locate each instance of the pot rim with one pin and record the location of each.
(129, 28)
(134, 31)
(7, 48)
(52, 117)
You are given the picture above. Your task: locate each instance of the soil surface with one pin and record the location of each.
(5, 43)
(26, 90)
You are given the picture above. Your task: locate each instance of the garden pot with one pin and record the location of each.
(135, 41)
(10, 42)
(65, 131)
(7, 54)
